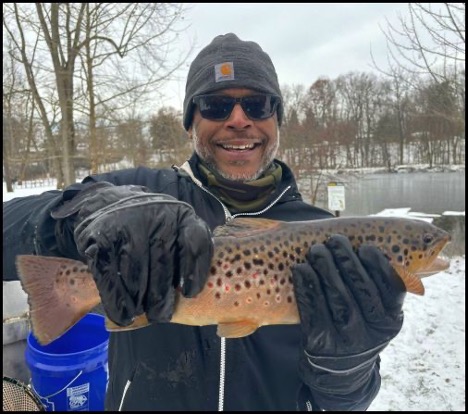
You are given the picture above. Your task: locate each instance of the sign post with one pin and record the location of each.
(336, 197)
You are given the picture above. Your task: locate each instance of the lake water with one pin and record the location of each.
(424, 192)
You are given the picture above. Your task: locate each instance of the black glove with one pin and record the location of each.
(140, 247)
(350, 306)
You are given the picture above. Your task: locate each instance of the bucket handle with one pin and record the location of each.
(58, 392)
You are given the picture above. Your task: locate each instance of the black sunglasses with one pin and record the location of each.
(219, 107)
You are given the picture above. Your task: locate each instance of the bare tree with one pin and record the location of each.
(50, 39)
(430, 40)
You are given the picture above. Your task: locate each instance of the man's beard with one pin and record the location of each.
(209, 159)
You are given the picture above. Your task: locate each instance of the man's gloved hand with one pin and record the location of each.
(350, 307)
(140, 247)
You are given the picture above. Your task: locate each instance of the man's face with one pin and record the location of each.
(238, 148)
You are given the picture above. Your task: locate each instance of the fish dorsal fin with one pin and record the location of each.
(236, 329)
(412, 282)
(246, 226)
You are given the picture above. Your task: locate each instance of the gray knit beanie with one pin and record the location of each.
(228, 62)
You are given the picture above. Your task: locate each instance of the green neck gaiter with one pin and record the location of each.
(242, 197)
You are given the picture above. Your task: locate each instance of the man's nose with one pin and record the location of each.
(238, 119)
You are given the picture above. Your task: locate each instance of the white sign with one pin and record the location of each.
(336, 196)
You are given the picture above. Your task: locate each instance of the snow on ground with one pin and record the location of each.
(423, 368)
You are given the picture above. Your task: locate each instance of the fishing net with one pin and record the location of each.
(19, 397)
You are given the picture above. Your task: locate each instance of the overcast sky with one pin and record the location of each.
(305, 41)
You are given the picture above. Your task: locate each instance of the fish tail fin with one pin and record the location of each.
(53, 307)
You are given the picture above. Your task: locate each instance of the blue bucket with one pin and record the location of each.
(71, 374)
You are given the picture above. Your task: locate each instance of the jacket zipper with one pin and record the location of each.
(222, 369)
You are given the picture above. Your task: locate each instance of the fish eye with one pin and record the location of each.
(428, 238)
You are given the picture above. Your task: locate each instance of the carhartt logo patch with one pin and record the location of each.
(224, 71)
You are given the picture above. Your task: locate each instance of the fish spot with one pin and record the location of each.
(236, 303)
(213, 270)
(395, 248)
(258, 295)
(72, 281)
(277, 290)
(218, 295)
(229, 273)
(247, 284)
(219, 282)
(237, 287)
(280, 267)
(239, 270)
(83, 270)
(278, 298)
(247, 265)
(68, 272)
(268, 291)
(266, 303)
(227, 288)
(249, 300)
(258, 262)
(262, 282)
(247, 252)
(289, 299)
(210, 285)
(75, 269)
(236, 258)
(282, 281)
(221, 254)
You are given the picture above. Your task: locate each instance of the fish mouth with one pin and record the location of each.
(438, 265)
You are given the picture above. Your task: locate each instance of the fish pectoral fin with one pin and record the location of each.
(236, 329)
(412, 282)
(140, 321)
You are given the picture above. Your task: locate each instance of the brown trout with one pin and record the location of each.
(250, 280)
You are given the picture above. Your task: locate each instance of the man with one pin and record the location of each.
(142, 244)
